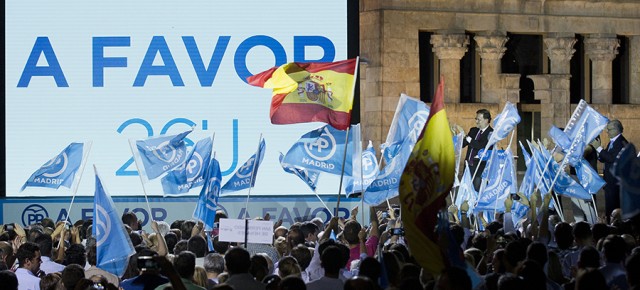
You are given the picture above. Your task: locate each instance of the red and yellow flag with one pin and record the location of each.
(425, 182)
(310, 92)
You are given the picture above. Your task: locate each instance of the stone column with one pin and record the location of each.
(601, 49)
(491, 49)
(560, 50)
(553, 92)
(450, 48)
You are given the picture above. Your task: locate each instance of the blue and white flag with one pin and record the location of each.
(627, 170)
(113, 245)
(519, 210)
(529, 180)
(525, 153)
(408, 121)
(565, 185)
(501, 182)
(573, 149)
(60, 170)
(161, 154)
(191, 173)
(504, 123)
(365, 171)
(589, 177)
(245, 176)
(540, 161)
(386, 184)
(466, 190)
(309, 177)
(322, 150)
(587, 120)
(205, 210)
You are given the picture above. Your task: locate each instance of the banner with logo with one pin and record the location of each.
(323, 150)
(26, 211)
(191, 173)
(60, 170)
(170, 66)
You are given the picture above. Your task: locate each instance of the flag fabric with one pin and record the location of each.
(191, 173)
(573, 149)
(310, 177)
(500, 176)
(245, 176)
(519, 210)
(113, 245)
(386, 184)
(565, 185)
(323, 150)
(161, 154)
(365, 171)
(457, 149)
(408, 121)
(589, 177)
(540, 161)
(526, 154)
(627, 170)
(310, 92)
(425, 182)
(528, 181)
(466, 191)
(59, 171)
(587, 120)
(205, 210)
(504, 123)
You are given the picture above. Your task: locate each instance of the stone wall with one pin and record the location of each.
(389, 49)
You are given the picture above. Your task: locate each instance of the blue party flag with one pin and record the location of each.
(113, 245)
(245, 176)
(59, 171)
(161, 154)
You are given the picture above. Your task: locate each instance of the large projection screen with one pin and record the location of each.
(113, 71)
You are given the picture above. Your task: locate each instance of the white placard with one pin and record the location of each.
(232, 230)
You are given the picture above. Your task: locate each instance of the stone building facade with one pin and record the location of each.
(391, 57)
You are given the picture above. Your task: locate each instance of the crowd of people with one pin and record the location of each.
(540, 251)
(339, 254)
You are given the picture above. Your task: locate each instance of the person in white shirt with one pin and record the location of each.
(331, 266)
(29, 261)
(45, 242)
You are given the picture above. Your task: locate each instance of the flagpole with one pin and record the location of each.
(361, 179)
(344, 159)
(555, 203)
(253, 173)
(77, 183)
(135, 160)
(324, 204)
(495, 206)
(564, 162)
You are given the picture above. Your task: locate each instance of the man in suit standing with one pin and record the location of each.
(608, 156)
(476, 140)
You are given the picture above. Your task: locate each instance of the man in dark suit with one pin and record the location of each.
(476, 140)
(608, 156)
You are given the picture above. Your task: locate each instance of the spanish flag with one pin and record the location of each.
(310, 92)
(425, 182)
